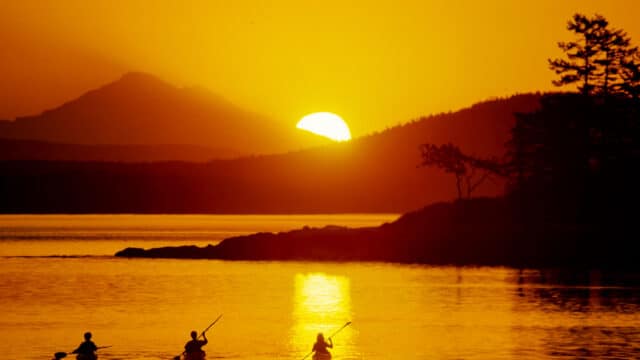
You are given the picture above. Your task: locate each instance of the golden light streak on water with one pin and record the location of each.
(322, 303)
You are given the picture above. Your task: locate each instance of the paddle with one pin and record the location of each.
(177, 357)
(62, 354)
(332, 335)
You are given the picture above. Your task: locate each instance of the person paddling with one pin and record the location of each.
(193, 348)
(320, 348)
(87, 349)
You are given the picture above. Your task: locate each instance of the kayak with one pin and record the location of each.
(197, 355)
(321, 356)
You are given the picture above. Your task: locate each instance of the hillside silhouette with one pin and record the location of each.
(140, 109)
(11, 149)
(376, 173)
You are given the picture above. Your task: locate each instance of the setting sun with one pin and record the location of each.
(326, 124)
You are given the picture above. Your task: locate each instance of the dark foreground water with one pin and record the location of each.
(272, 310)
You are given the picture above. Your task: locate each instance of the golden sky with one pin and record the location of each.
(375, 63)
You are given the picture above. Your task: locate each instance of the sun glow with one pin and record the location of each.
(326, 124)
(322, 303)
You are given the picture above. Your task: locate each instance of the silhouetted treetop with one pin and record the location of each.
(600, 60)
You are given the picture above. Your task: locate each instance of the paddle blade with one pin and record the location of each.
(176, 357)
(60, 355)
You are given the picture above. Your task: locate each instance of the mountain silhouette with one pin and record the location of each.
(376, 173)
(140, 109)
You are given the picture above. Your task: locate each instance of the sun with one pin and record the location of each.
(325, 124)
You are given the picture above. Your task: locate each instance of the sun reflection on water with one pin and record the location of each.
(322, 303)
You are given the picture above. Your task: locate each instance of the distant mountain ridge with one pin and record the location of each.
(141, 109)
(376, 173)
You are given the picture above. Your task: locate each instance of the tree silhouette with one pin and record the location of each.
(573, 149)
(615, 48)
(581, 53)
(630, 76)
(597, 59)
(470, 172)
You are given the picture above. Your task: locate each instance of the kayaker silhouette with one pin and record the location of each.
(193, 348)
(87, 349)
(320, 348)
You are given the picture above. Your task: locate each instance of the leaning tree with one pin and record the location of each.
(469, 171)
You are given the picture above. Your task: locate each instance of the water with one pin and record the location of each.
(272, 310)
(67, 235)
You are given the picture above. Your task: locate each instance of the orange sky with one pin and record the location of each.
(376, 63)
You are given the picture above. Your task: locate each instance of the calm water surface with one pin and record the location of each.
(69, 234)
(272, 310)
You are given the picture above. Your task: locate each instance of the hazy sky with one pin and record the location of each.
(376, 63)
